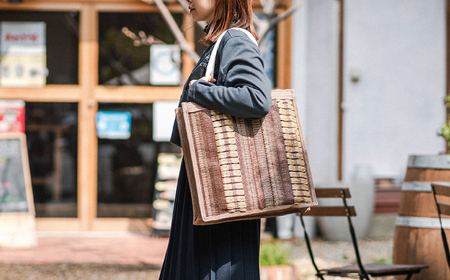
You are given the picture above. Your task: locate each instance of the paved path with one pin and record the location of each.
(98, 248)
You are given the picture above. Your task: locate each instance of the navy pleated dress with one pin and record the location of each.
(228, 251)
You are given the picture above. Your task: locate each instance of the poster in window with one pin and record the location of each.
(23, 57)
(163, 119)
(113, 125)
(165, 61)
(12, 116)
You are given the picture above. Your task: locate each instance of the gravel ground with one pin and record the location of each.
(327, 254)
(77, 271)
(331, 254)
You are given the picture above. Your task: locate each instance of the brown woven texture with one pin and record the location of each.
(242, 169)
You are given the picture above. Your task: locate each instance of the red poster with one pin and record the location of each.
(12, 116)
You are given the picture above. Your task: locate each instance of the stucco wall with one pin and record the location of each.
(315, 70)
(396, 108)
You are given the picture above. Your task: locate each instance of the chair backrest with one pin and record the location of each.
(441, 194)
(335, 211)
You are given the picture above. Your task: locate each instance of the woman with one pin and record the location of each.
(228, 251)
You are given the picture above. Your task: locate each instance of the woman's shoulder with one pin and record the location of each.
(237, 32)
(237, 37)
(236, 44)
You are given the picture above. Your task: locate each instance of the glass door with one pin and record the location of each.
(127, 164)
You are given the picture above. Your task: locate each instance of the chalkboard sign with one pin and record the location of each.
(15, 182)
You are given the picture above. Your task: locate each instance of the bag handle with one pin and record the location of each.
(212, 59)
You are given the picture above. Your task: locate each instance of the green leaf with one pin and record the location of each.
(275, 253)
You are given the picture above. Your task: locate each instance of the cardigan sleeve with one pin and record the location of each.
(242, 88)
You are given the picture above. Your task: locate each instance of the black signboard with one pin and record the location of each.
(15, 182)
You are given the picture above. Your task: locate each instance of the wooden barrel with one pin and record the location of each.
(417, 238)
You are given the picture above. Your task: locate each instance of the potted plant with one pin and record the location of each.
(275, 259)
(445, 131)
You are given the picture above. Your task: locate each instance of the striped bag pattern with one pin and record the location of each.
(245, 169)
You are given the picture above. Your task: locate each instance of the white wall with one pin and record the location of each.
(315, 72)
(396, 108)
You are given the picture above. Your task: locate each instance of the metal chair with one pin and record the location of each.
(442, 191)
(359, 270)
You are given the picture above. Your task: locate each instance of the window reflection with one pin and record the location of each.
(121, 62)
(127, 167)
(52, 131)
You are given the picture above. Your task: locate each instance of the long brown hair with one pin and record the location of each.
(228, 14)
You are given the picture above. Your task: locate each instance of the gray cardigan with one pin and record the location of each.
(242, 89)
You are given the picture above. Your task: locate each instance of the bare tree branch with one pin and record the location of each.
(263, 3)
(285, 14)
(262, 28)
(142, 39)
(174, 28)
(268, 7)
(256, 20)
(278, 3)
(280, 17)
(118, 66)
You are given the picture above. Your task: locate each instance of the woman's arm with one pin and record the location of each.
(243, 89)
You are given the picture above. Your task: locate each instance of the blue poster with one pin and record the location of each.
(113, 125)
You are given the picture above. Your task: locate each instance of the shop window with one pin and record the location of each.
(53, 59)
(127, 163)
(125, 61)
(52, 132)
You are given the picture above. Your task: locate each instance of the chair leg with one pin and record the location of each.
(408, 277)
(308, 246)
(364, 277)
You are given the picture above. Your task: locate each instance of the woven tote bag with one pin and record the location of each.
(241, 169)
